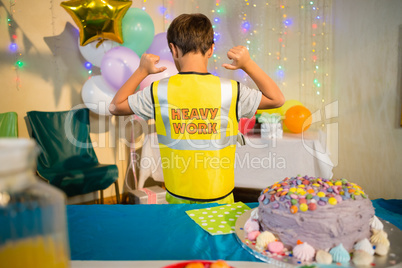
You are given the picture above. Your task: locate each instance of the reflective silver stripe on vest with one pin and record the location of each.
(186, 144)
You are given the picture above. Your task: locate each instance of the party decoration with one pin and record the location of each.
(288, 104)
(97, 95)
(271, 126)
(138, 30)
(270, 111)
(298, 119)
(98, 19)
(94, 53)
(117, 65)
(246, 124)
(160, 47)
(171, 70)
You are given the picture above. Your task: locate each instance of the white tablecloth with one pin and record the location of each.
(262, 162)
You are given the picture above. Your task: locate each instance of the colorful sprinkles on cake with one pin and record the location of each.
(301, 194)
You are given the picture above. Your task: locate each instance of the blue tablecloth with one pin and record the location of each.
(163, 232)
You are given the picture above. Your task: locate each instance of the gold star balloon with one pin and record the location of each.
(98, 19)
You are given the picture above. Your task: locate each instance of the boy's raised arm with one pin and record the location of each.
(272, 96)
(119, 104)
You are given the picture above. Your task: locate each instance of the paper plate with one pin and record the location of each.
(394, 256)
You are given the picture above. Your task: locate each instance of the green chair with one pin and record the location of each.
(68, 160)
(9, 125)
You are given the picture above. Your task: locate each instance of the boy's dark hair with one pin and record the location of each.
(191, 33)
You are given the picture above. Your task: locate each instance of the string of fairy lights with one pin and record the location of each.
(14, 49)
(288, 39)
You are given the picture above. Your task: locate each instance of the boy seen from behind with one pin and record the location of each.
(196, 113)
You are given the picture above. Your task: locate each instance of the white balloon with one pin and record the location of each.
(170, 71)
(97, 95)
(95, 54)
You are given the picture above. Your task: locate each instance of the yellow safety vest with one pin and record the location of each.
(196, 120)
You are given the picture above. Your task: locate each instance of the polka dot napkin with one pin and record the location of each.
(218, 220)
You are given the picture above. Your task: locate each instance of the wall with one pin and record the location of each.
(367, 82)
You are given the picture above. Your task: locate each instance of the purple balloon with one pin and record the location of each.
(117, 65)
(160, 47)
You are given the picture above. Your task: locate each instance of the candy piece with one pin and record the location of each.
(266, 201)
(303, 207)
(253, 235)
(379, 237)
(302, 201)
(304, 252)
(220, 264)
(340, 254)
(323, 257)
(294, 201)
(275, 247)
(325, 199)
(251, 226)
(321, 203)
(302, 192)
(338, 183)
(275, 205)
(321, 194)
(364, 245)
(312, 206)
(381, 249)
(254, 214)
(375, 223)
(332, 201)
(362, 258)
(263, 240)
(261, 198)
(195, 265)
(293, 209)
(309, 196)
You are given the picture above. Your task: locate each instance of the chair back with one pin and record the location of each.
(64, 139)
(9, 125)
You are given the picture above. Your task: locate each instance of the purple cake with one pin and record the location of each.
(324, 213)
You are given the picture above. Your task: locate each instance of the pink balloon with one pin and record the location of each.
(160, 47)
(117, 65)
(171, 70)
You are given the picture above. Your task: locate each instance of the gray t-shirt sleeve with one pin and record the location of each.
(249, 100)
(141, 104)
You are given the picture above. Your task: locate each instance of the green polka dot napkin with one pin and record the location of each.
(218, 220)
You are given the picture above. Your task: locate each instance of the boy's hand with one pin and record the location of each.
(148, 63)
(239, 56)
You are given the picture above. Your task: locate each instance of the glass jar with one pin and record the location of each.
(33, 227)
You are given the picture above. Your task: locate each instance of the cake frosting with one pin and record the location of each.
(323, 213)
